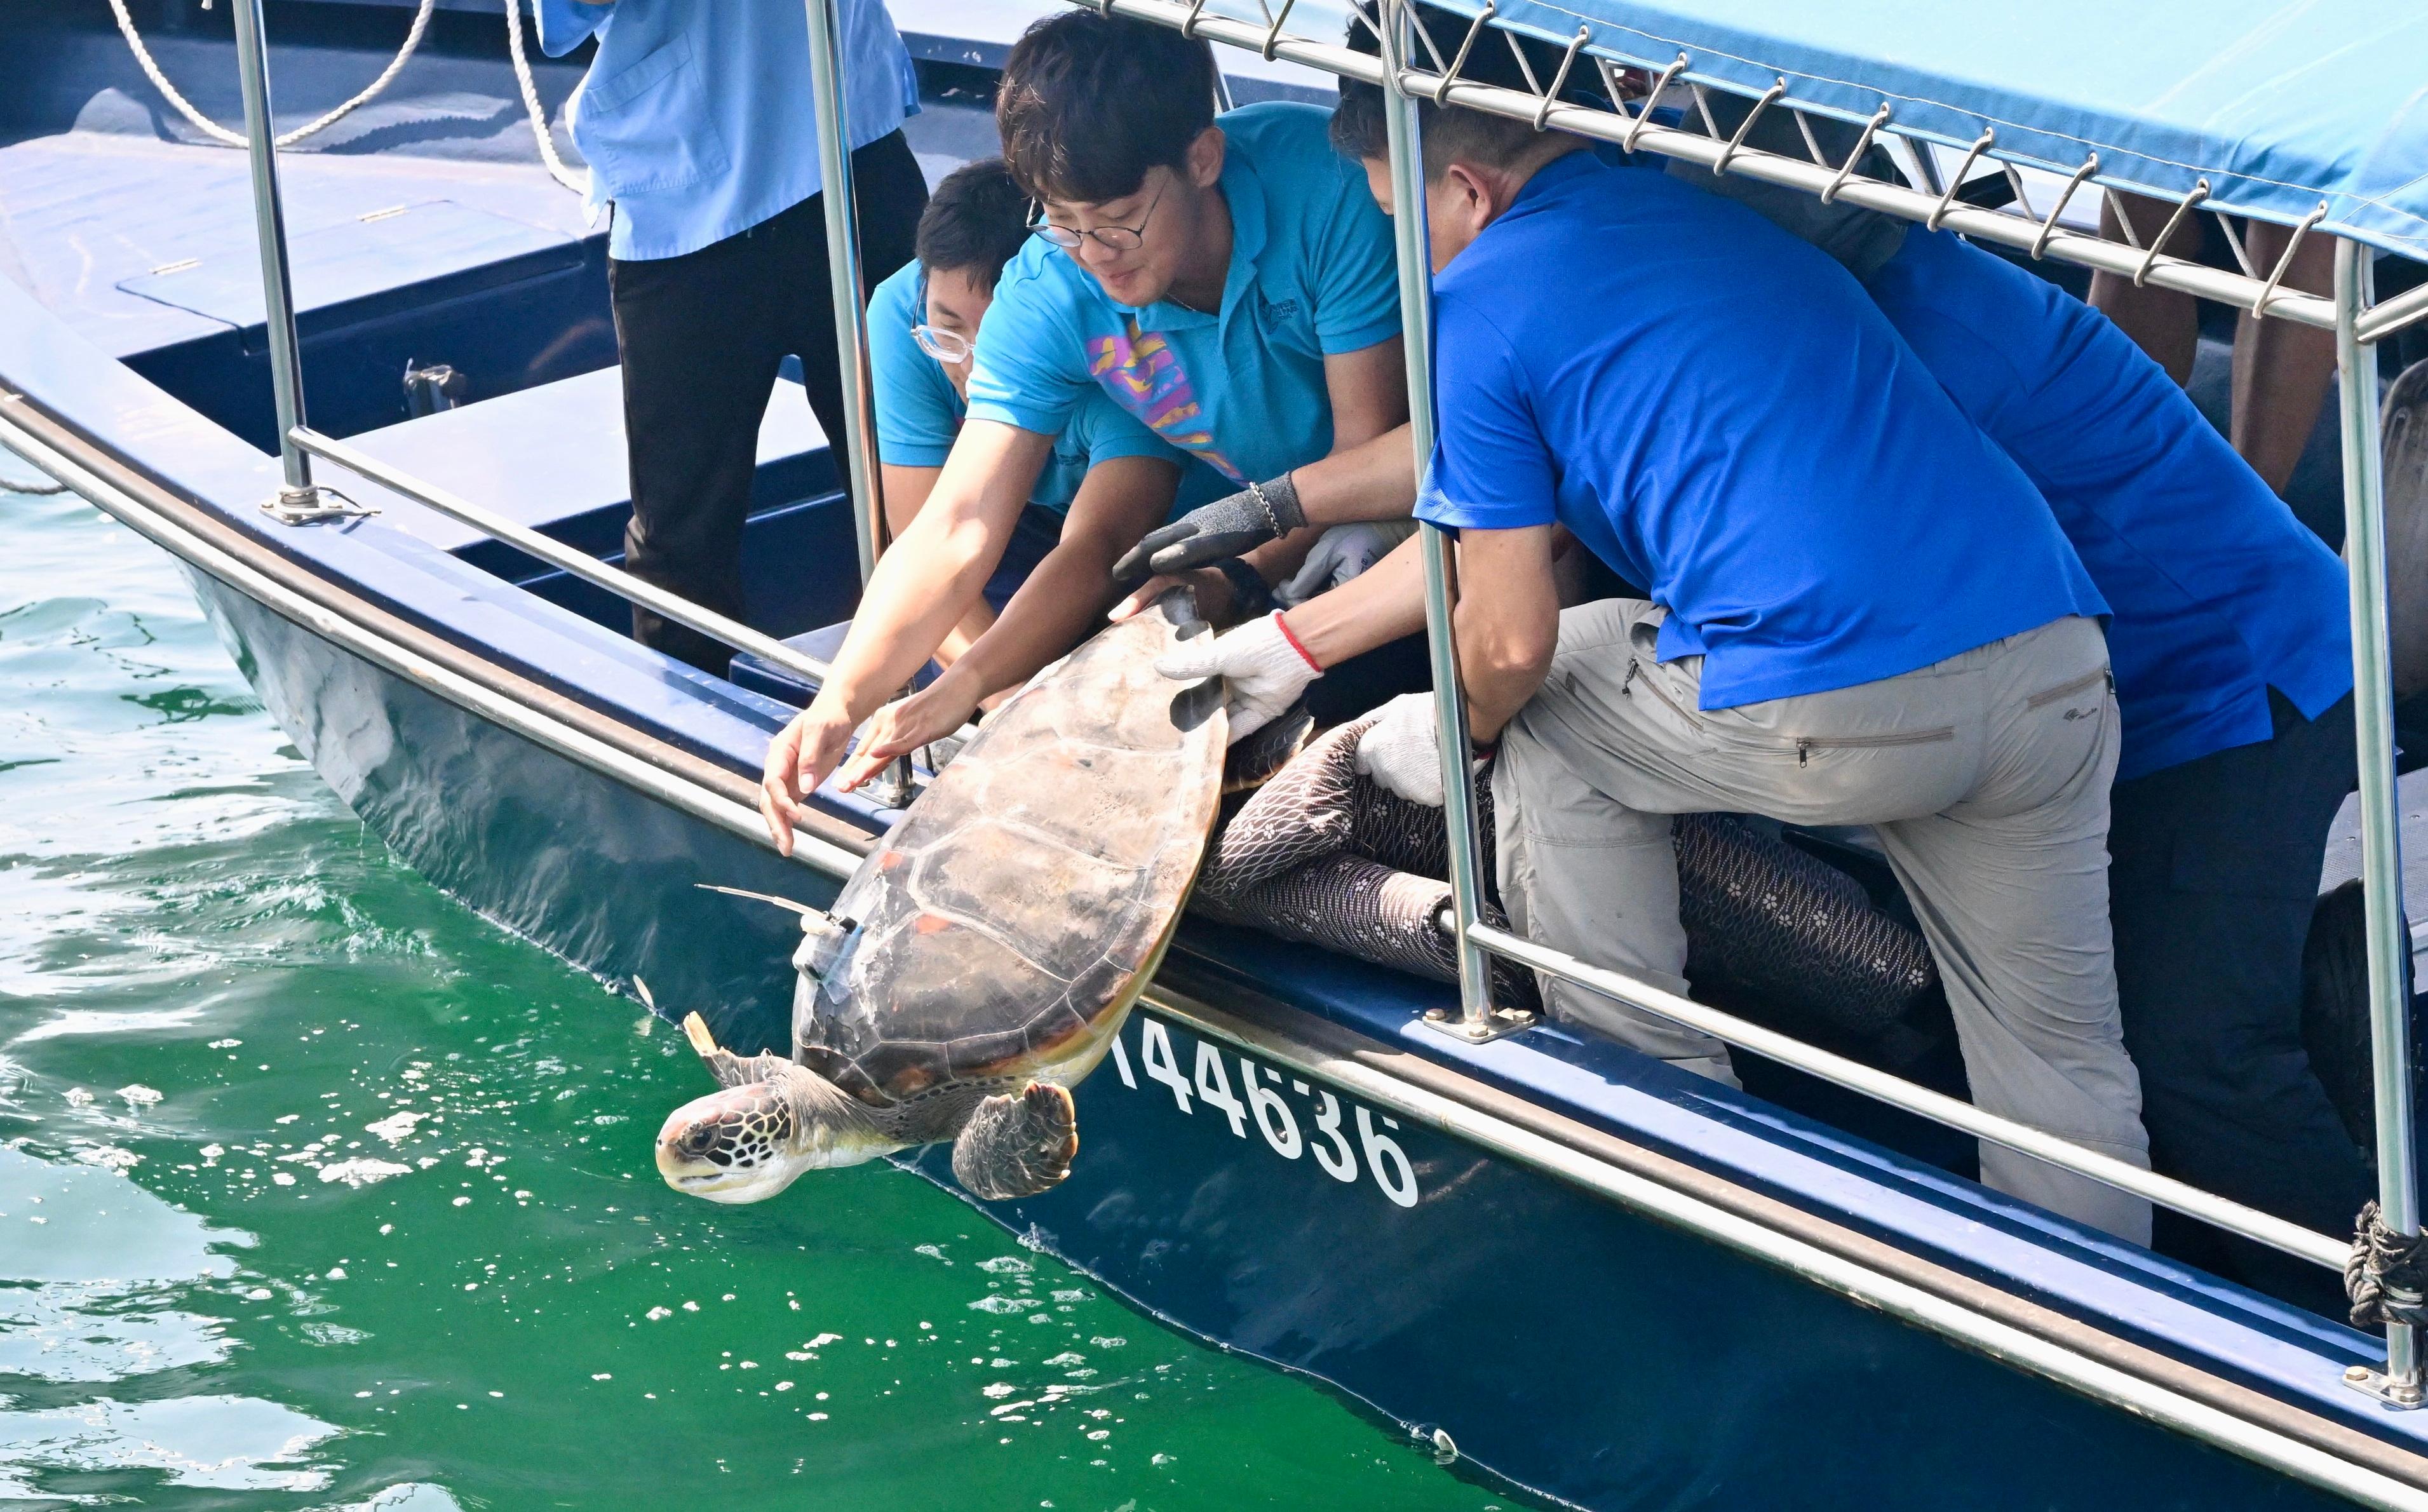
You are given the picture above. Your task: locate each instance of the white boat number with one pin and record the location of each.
(1208, 1081)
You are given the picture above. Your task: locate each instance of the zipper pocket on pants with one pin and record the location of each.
(1659, 692)
(2067, 690)
(1806, 745)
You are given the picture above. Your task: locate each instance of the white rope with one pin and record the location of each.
(577, 183)
(228, 139)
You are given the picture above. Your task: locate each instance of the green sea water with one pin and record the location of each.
(317, 1192)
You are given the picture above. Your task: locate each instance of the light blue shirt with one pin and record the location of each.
(696, 117)
(1311, 276)
(918, 413)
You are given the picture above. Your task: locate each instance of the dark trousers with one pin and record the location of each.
(2213, 876)
(702, 338)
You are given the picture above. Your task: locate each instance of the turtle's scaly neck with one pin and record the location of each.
(830, 1125)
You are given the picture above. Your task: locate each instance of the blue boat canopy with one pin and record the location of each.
(2282, 105)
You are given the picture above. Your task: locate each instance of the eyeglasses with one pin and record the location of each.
(950, 348)
(1116, 238)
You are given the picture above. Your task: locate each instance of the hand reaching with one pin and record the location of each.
(1262, 669)
(798, 759)
(1341, 553)
(904, 726)
(1402, 750)
(1230, 526)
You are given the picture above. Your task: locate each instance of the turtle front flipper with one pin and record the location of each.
(731, 1070)
(1018, 1145)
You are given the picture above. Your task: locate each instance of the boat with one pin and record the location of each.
(382, 437)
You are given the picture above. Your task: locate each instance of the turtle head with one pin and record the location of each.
(771, 1122)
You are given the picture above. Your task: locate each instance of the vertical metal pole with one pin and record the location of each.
(861, 470)
(270, 230)
(1475, 1018)
(843, 277)
(2380, 839)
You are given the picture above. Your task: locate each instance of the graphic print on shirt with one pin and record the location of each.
(1143, 374)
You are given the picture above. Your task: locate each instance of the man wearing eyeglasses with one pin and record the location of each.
(1107, 480)
(1229, 283)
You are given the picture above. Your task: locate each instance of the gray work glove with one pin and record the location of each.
(1227, 527)
(1341, 553)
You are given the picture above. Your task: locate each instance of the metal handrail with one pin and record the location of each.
(1475, 1019)
(1913, 1098)
(557, 554)
(1640, 134)
(2379, 322)
(2381, 835)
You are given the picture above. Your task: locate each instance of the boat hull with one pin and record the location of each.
(1558, 1337)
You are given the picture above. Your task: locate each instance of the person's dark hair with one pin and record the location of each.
(975, 221)
(1089, 102)
(1450, 133)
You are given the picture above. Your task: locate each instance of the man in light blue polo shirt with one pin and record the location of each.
(1108, 481)
(1229, 283)
(699, 126)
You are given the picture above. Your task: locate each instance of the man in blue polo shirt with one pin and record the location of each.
(1108, 481)
(699, 126)
(2231, 642)
(1860, 612)
(1722, 417)
(1229, 283)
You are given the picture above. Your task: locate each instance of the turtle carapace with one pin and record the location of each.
(981, 959)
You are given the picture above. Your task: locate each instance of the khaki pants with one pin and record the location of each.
(1985, 777)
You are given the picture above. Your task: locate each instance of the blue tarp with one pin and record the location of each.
(2281, 105)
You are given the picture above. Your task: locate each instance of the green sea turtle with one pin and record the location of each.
(980, 960)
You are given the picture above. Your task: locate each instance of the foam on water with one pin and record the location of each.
(319, 1194)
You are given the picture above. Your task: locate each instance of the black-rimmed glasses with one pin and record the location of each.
(1116, 238)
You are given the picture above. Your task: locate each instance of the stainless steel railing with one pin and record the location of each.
(557, 554)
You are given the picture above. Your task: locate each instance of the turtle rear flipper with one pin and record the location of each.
(1018, 1145)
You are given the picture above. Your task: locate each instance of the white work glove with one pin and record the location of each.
(1341, 553)
(1402, 752)
(1262, 669)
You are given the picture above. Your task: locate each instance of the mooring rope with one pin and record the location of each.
(2383, 1261)
(228, 139)
(577, 183)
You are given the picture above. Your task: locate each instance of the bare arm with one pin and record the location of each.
(1368, 391)
(1374, 608)
(1374, 479)
(906, 494)
(1062, 602)
(1508, 621)
(920, 590)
